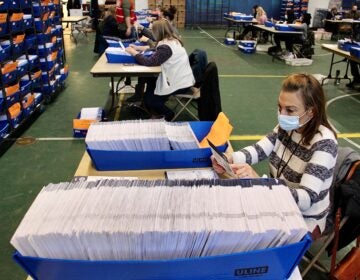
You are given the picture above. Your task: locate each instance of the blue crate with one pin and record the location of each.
(272, 263)
(5, 51)
(4, 128)
(1, 101)
(45, 50)
(39, 25)
(14, 97)
(25, 87)
(46, 77)
(38, 98)
(38, 10)
(16, 26)
(243, 17)
(28, 23)
(284, 27)
(30, 41)
(119, 58)
(355, 51)
(63, 77)
(346, 45)
(229, 41)
(14, 4)
(10, 76)
(131, 160)
(33, 61)
(25, 3)
(248, 43)
(248, 50)
(269, 23)
(18, 49)
(16, 120)
(60, 55)
(49, 88)
(27, 111)
(46, 64)
(5, 5)
(43, 38)
(56, 20)
(59, 43)
(23, 67)
(4, 28)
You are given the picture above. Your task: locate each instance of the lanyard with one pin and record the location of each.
(281, 167)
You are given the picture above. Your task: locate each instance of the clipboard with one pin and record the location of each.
(221, 159)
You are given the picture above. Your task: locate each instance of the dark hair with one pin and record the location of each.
(313, 97)
(306, 18)
(170, 13)
(290, 16)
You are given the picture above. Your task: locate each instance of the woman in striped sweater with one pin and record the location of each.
(302, 149)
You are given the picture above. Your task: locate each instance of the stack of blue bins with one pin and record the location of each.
(247, 46)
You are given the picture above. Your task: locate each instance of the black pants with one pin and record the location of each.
(354, 68)
(156, 103)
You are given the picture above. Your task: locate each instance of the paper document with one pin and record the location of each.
(221, 159)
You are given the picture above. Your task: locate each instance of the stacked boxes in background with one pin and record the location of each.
(179, 4)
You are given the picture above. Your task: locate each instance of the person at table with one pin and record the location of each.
(125, 16)
(176, 75)
(302, 149)
(331, 15)
(72, 4)
(260, 19)
(301, 25)
(353, 13)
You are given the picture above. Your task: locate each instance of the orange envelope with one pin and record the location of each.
(82, 124)
(219, 133)
(27, 100)
(9, 67)
(3, 18)
(16, 16)
(14, 110)
(10, 90)
(18, 39)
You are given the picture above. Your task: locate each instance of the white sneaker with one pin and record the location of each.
(288, 56)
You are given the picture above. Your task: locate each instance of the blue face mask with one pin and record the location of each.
(289, 123)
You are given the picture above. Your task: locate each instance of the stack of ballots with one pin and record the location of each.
(158, 220)
(141, 135)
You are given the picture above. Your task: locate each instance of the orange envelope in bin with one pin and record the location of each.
(14, 110)
(10, 90)
(82, 124)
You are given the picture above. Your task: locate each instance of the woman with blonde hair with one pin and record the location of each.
(176, 75)
(260, 16)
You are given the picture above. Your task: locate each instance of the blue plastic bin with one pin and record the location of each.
(274, 263)
(355, 51)
(14, 97)
(30, 41)
(5, 52)
(1, 101)
(5, 5)
(18, 49)
(229, 41)
(23, 67)
(4, 129)
(118, 58)
(269, 23)
(16, 26)
(3, 28)
(16, 120)
(38, 98)
(9, 76)
(137, 160)
(25, 4)
(248, 43)
(14, 4)
(46, 64)
(25, 87)
(247, 50)
(28, 23)
(284, 27)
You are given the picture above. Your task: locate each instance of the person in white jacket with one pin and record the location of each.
(176, 75)
(302, 149)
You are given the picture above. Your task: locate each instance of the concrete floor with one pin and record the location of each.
(249, 88)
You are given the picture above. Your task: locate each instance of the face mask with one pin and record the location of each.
(289, 123)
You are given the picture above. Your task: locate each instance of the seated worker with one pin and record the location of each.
(107, 27)
(302, 149)
(353, 13)
(291, 40)
(331, 15)
(260, 19)
(354, 68)
(176, 75)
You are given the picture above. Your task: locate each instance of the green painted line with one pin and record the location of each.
(251, 76)
(258, 137)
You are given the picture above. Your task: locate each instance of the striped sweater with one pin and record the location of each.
(306, 170)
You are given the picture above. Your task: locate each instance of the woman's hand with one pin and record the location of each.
(131, 50)
(243, 170)
(217, 167)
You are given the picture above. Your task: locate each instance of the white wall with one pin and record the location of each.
(141, 4)
(316, 4)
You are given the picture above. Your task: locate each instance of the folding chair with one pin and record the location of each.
(184, 101)
(81, 27)
(305, 50)
(332, 238)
